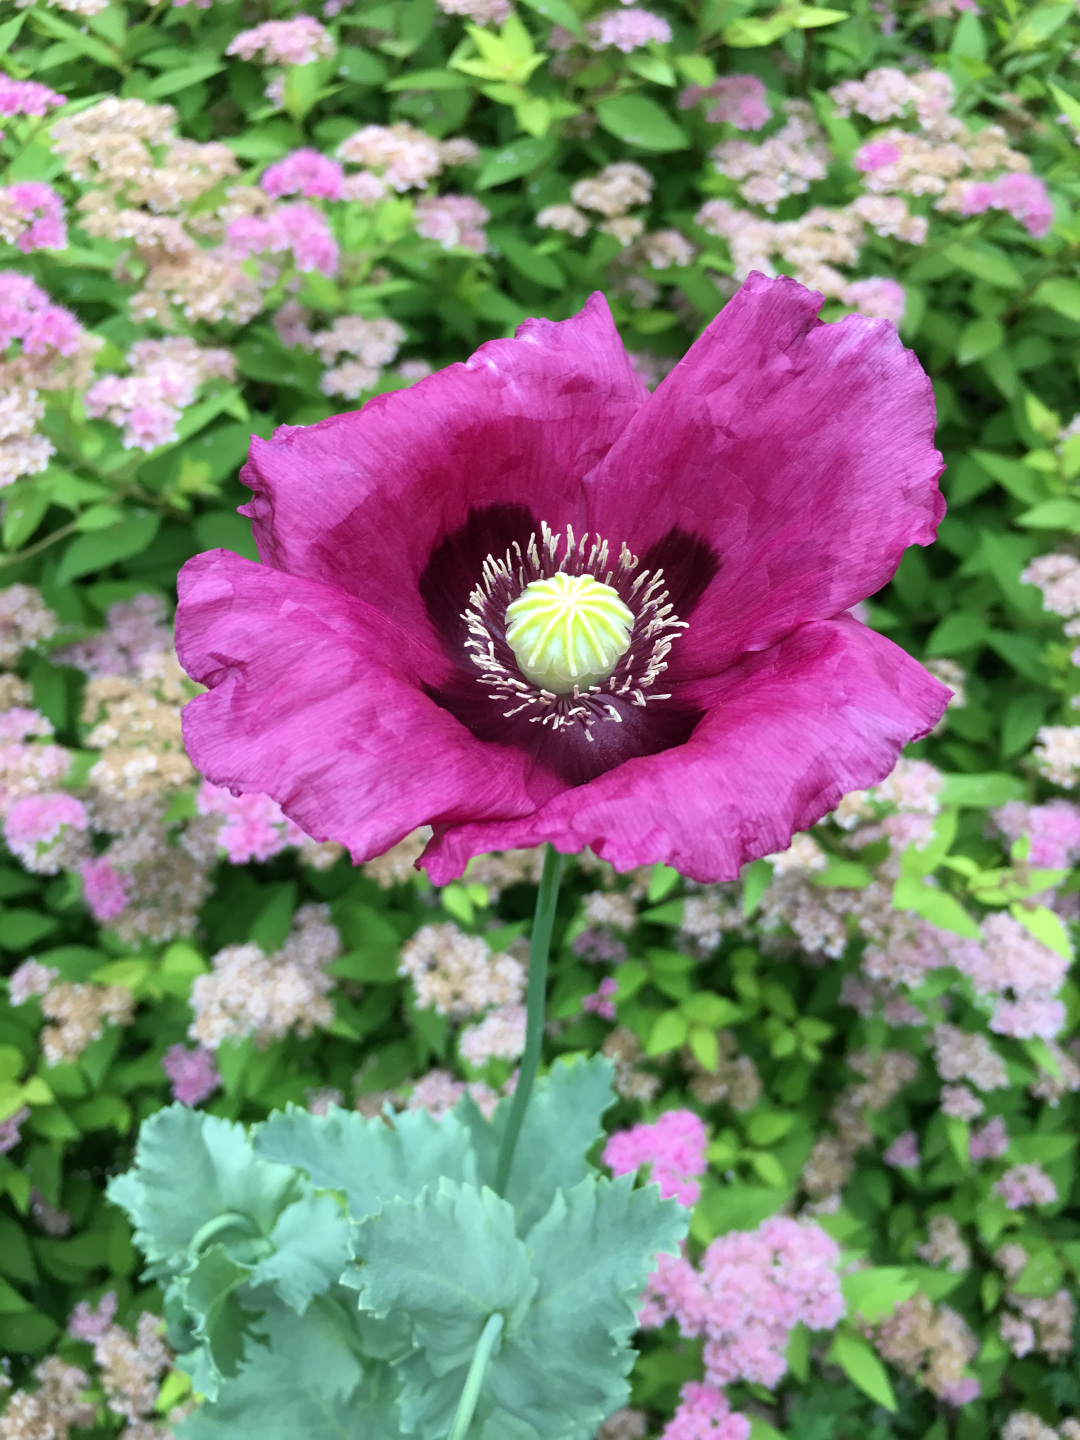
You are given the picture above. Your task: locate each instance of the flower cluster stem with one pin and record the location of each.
(475, 1378)
(536, 995)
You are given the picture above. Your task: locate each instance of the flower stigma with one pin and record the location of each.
(570, 639)
(568, 631)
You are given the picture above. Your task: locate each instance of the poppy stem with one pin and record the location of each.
(475, 1378)
(535, 998)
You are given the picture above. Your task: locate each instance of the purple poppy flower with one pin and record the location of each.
(677, 680)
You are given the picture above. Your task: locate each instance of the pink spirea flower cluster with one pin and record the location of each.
(39, 820)
(300, 41)
(165, 376)
(877, 297)
(254, 828)
(991, 1142)
(299, 228)
(903, 1153)
(1054, 831)
(602, 1001)
(27, 97)
(32, 217)
(740, 101)
(628, 30)
(304, 172)
(751, 1289)
(1023, 975)
(1023, 196)
(133, 630)
(1023, 1185)
(105, 889)
(9, 1129)
(27, 768)
(452, 220)
(28, 315)
(704, 1414)
(675, 1148)
(89, 1323)
(193, 1073)
(875, 155)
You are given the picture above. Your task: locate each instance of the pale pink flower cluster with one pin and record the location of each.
(903, 1153)
(960, 1103)
(133, 630)
(1058, 577)
(32, 217)
(1022, 195)
(27, 97)
(192, 1073)
(1053, 829)
(879, 298)
(298, 229)
(28, 315)
(664, 248)
(1021, 974)
(457, 974)
(29, 979)
(704, 1414)
(480, 12)
(1023, 1185)
(47, 832)
(23, 451)
(1042, 1323)
(967, 1055)
(404, 157)
(9, 1128)
(106, 890)
(89, 1323)
(945, 1245)
(299, 41)
(784, 164)
(751, 1289)
(165, 378)
(57, 1404)
(499, 1036)
(614, 190)
(304, 172)
(990, 1142)
(913, 785)
(627, 30)
(602, 1001)
(253, 828)
(567, 218)
(1057, 754)
(27, 768)
(739, 101)
(438, 1092)
(363, 347)
(816, 245)
(888, 94)
(267, 996)
(960, 167)
(934, 1345)
(452, 220)
(613, 909)
(674, 1147)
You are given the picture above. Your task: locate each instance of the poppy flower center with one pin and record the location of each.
(564, 634)
(568, 631)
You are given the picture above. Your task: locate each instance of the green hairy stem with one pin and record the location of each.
(536, 994)
(475, 1378)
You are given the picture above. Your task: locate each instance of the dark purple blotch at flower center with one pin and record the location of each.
(481, 568)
